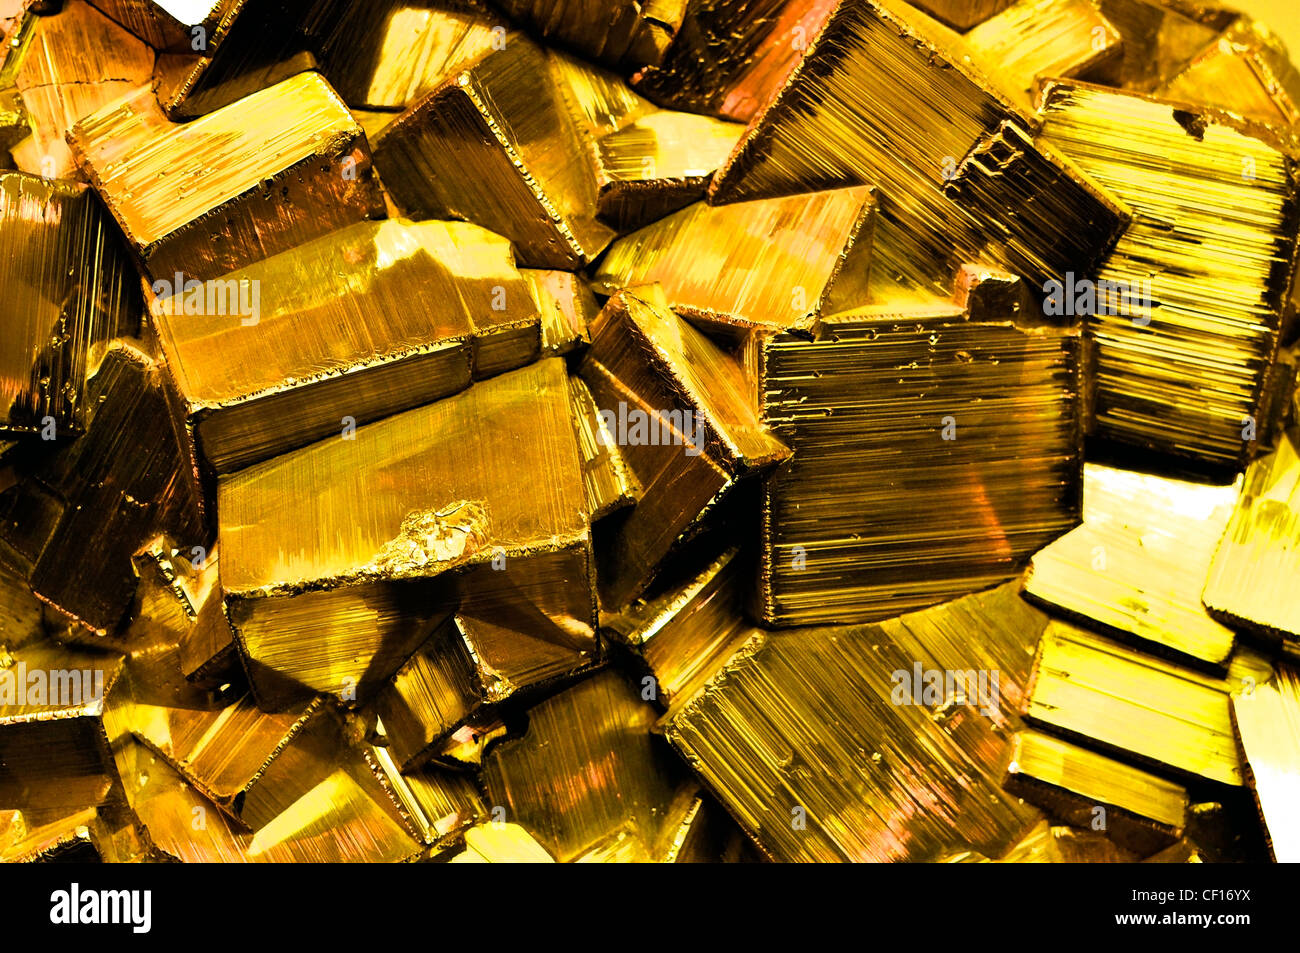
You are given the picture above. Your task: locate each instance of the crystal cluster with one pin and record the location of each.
(675, 431)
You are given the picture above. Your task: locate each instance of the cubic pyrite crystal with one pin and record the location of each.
(675, 431)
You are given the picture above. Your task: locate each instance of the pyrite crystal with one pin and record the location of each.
(676, 431)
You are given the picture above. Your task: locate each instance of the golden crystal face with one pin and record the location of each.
(1265, 723)
(506, 117)
(1136, 565)
(1202, 282)
(67, 273)
(1142, 811)
(68, 67)
(909, 390)
(368, 597)
(661, 432)
(305, 147)
(606, 31)
(258, 377)
(113, 489)
(774, 264)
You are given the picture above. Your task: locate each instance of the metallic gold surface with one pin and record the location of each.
(962, 14)
(603, 30)
(658, 164)
(386, 54)
(1048, 843)
(248, 763)
(441, 804)
(1212, 249)
(798, 737)
(1044, 38)
(608, 481)
(1158, 40)
(884, 96)
(1095, 690)
(532, 623)
(66, 276)
(687, 633)
(599, 100)
(698, 436)
(678, 408)
(108, 834)
(168, 24)
(598, 731)
(430, 696)
(72, 65)
(730, 55)
(22, 615)
(567, 307)
(961, 478)
(339, 819)
(257, 376)
(53, 741)
(463, 749)
(503, 117)
(1245, 70)
(1253, 571)
(191, 197)
(1136, 566)
(112, 490)
(1267, 723)
(252, 45)
(501, 843)
(366, 596)
(1139, 810)
(773, 264)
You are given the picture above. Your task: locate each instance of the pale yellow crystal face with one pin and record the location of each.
(1138, 563)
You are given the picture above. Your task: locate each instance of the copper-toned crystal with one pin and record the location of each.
(730, 55)
(885, 97)
(170, 24)
(70, 66)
